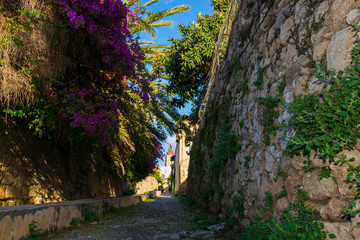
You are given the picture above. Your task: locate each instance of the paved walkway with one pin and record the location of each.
(165, 218)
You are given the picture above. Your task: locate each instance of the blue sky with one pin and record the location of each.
(165, 33)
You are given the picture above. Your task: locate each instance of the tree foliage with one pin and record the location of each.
(148, 21)
(101, 96)
(189, 58)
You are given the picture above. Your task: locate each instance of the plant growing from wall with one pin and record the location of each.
(239, 72)
(34, 231)
(247, 162)
(89, 215)
(226, 147)
(260, 78)
(326, 124)
(324, 172)
(268, 207)
(268, 116)
(297, 222)
(74, 222)
(238, 205)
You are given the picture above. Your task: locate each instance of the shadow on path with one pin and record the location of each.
(165, 218)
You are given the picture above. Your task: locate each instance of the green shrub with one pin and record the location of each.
(260, 78)
(238, 205)
(129, 192)
(34, 231)
(90, 216)
(297, 223)
(74, 222)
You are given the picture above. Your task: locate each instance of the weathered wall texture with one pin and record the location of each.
(282, 37)
(34, 171)
(14, 221)
(147, 185)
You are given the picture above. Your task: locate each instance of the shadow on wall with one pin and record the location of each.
(34, 171)
(182, 188)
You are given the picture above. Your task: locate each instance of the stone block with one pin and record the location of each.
(147, 185)
(341, 230)
(281, 204)
(353, 16)
(319, 190)
(290, 182)
(334, 209)
(6, 228)
(339, 10)
(320, 49)
(339, 50)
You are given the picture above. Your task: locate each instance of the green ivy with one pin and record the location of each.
(89, 215)
(247, 162)
(238, 205)
(226, 147)
(243, 81)
(268, 204)
(297, 222)
(268, 116)
(328, 123)
(324, 173)
(260, 78)
(281, 88)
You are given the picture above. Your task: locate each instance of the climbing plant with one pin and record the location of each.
(297, 222)
(328, 123)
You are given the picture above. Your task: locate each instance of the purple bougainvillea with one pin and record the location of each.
(94, 97)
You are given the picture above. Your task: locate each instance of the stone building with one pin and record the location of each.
(170, 153)
(181, 160)
(165, 171)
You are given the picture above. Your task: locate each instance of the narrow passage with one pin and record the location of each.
(165, 218)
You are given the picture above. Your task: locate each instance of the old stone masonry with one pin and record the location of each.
(262, 92)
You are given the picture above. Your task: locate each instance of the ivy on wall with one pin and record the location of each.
(326, 124)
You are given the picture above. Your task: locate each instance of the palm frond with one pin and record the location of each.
(149, 3)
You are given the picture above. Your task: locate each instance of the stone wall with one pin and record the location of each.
(34, 170)
(14, 221)
(278, 39)
(147, 185)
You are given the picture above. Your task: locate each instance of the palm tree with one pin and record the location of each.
(152, 20)
(149, 22)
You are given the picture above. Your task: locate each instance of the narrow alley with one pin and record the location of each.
(163, 218)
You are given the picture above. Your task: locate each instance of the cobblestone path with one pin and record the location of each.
(165, 218)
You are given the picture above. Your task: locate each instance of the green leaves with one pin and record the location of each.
(268, 116)
(188, 61)
(297, 222)
(260, 78)
(332, 236)
(327, 123)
